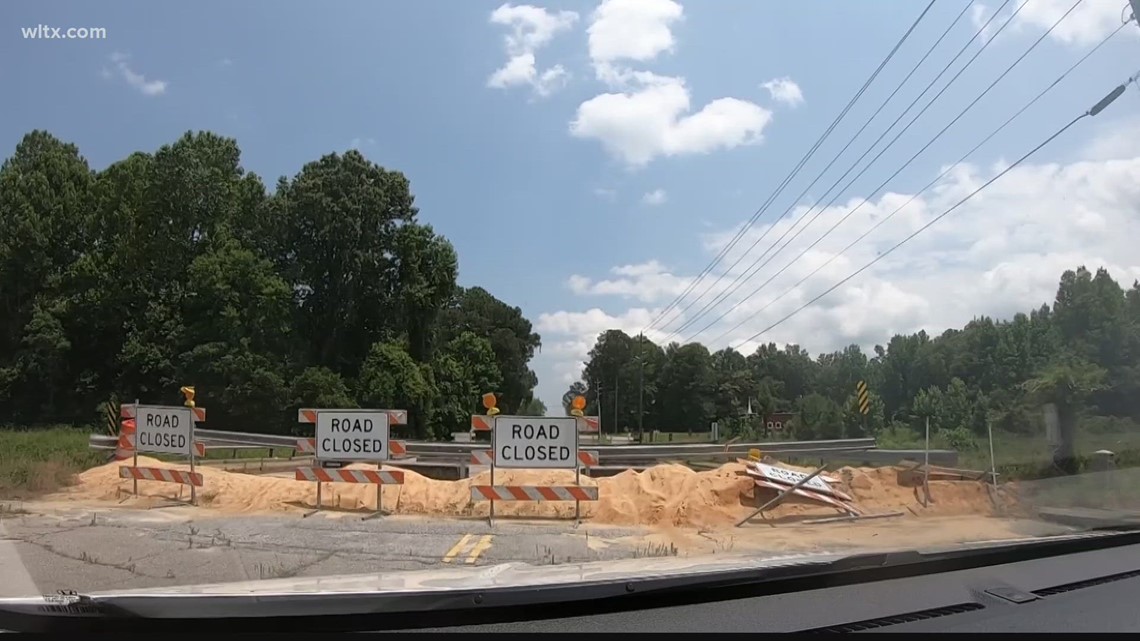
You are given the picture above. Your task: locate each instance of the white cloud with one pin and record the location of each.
(1087, 25)
(531, 29)
(606, 193)
(647, 282)
(1091, 21)
(785, 91)
(226, 62)
(999, 254)
(133, 78)
(648, 115)
(655, 197)
(357, 143)
(655, 121)
(1120, 139)
(632, 29)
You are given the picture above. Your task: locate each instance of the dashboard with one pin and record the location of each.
(1093, 591)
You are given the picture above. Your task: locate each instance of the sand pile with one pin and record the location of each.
(665, 495)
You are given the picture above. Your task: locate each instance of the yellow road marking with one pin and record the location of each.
(456, 549)
(482, 546)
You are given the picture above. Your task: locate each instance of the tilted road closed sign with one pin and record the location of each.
(352, 435)
(524, 442)
(169, 430)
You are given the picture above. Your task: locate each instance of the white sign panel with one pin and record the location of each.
(791, 477)
(352, 435)
(169, 430)
(528, 442)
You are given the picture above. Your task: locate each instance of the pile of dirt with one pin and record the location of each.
(664, 495)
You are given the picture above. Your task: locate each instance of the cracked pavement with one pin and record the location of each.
(90, 549)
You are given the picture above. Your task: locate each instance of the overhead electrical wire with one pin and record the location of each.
(924, 189)
(846, 216)
(732, 243)
(906, 164)
(687, 323)
(755, 267)
(1096, 109)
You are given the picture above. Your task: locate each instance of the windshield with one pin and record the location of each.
(351, 288)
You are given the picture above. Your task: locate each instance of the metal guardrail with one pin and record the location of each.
(612, 457)
(461, 451)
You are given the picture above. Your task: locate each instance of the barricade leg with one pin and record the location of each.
(318, 506)
(379, 499)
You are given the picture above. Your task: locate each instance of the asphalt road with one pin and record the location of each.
(113, 549)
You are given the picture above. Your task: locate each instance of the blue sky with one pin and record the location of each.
(603, 162)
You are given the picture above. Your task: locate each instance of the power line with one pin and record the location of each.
(1096, 109)
(732, 243)
(753, 269)
(930, 184)
(906, 164)
(720, 297)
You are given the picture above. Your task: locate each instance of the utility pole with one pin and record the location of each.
(641, 385)
(617, 381)
(600, 412)
(640, 400)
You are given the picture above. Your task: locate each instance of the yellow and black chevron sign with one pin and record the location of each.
(864, 400)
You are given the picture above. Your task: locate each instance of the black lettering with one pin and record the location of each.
(516, 431)
(554, 432)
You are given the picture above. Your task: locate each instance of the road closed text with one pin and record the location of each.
(352, 445)
(160, 441)
(164, 429)
(352, 435)
(551, 443)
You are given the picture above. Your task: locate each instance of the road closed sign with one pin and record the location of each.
(352, 435)
(536, 442)
(169, 430)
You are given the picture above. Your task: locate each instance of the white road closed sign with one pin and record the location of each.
(352, 435)
(536, 442)
(169, 430)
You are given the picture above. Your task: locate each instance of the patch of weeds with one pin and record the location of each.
(653, 550)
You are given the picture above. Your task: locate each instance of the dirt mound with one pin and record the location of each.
(664, 495)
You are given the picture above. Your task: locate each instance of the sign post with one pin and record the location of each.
(361, 435)
(188, 393)
(533, 442)
(351, 436)
(490, 403)
(166, 430)
(577, 406)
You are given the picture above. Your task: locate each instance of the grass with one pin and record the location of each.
(39, 461)
(1025, 455)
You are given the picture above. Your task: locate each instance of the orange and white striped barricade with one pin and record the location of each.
(533, 442)
(589, 424)
(350, 436)
(193, 479)
(161, 429)
(395, 417)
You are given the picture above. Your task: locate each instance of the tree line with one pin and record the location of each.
(1081, 355)
(178, 267)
